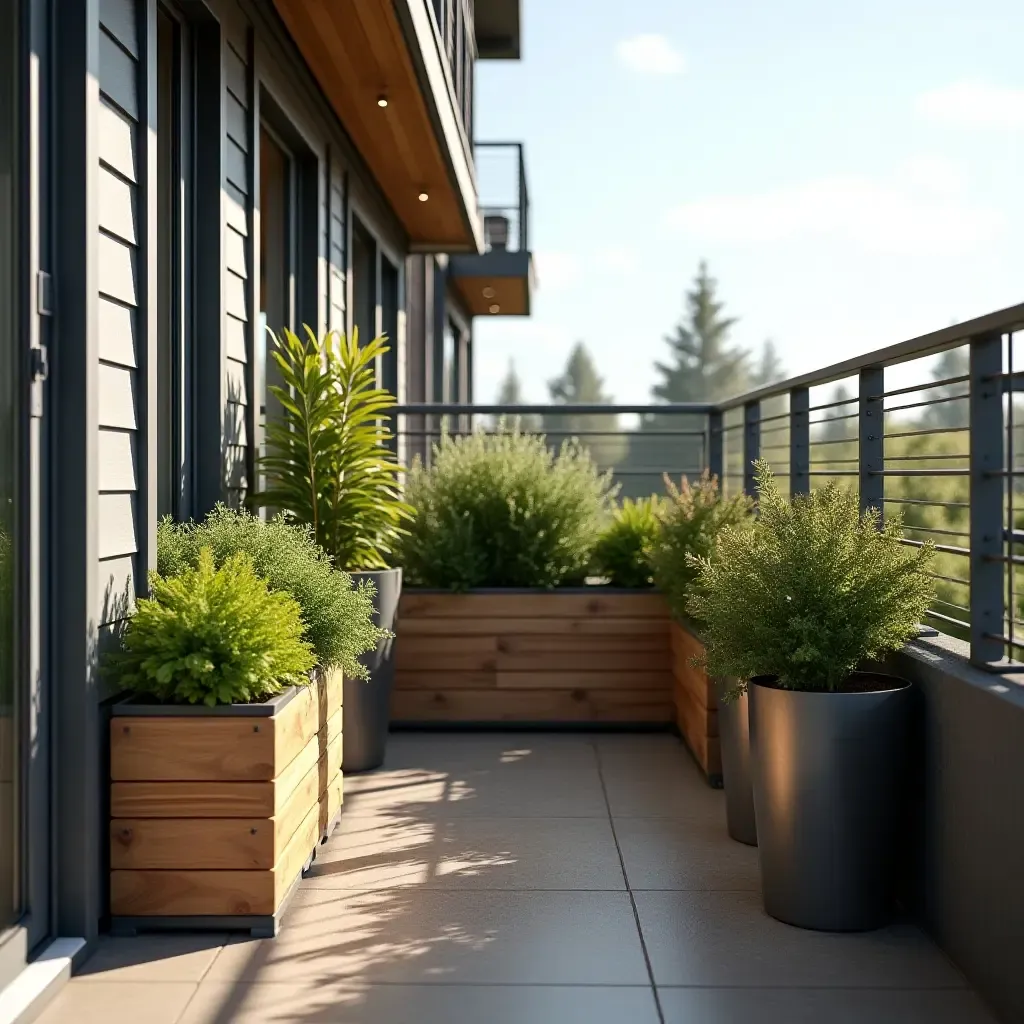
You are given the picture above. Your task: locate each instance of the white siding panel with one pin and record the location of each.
(116, 595)
(117, 460)
(117, 533)
(117, 333)
(117, 270)
(117, 397)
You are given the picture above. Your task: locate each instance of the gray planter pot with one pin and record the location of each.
(366, 711)
(829, 771)
(734, 736)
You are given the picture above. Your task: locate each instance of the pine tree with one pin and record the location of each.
(953, 363)
(769, 368)
(834, 426)
(580, 384)
(703, 366)
(510, 392)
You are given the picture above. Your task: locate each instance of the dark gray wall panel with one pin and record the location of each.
(118, 75)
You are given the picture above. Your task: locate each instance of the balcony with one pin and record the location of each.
(500, 281)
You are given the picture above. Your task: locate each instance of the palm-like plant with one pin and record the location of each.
(327, 463)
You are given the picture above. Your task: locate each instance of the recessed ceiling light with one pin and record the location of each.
(382, 101)
(495, 308)
(489, 293)
(423, 197)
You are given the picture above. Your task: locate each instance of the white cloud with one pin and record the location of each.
(973, 104)
(650, 54)
(620, 259)
(557, 269)
(897, 215)
(932, 174)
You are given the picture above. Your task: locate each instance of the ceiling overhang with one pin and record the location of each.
(495, 283)
(374, 51)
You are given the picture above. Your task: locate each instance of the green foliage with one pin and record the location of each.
(337, 614)
(691, 519)
(810, 590)
(502, 510)
(327, 463)
(622, 553)
(213, 636)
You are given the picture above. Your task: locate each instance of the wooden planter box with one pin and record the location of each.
(695, 702)
(216, 812)
(533, 657)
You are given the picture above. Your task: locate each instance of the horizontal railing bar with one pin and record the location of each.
(948, 579)
(918, 472)
(953, 604)
(835, 472)
(833, 440)
(931, 403)
(834, 405)
(456, 409)
(936, 531)
(945, 548)
(924, 501)
(947, 618)
(920, 387)
(926, 433)
(835, 419)
(1002, 321)
(924, 458)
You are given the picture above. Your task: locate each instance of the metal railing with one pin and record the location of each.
(504, 198)
(931, 427)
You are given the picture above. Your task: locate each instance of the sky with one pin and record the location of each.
(853, 174)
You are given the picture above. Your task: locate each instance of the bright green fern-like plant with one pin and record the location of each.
(502, 510)
(337, 614)
(213, 636)
(623, 551)
(327, 462)
(810, 591)
(692, 517)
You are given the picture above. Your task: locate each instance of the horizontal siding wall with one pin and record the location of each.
(238, 221)
(120, 320)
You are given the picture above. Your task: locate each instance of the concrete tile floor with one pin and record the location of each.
(526, 879)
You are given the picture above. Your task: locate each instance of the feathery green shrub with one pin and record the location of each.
(213, 636)
(337, 614)
(502, 510)
(623, 549)
(810, 591)
(692, 516)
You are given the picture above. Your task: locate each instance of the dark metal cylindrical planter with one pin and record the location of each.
(734, 736)
(366, 712)
(829, 771)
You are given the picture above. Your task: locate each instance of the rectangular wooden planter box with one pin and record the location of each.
(215, 812)
(695, 702)
(533, 657)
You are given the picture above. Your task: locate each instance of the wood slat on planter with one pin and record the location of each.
(695, 702)
(205, 832)
(533, 657)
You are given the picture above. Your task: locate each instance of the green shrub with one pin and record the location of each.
(810, 591)
(337, 615)
(213, 636)
(692, 517)
(327, 462)
(622, 553)
(502, 510)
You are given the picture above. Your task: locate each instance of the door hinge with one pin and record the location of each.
(44, 293)
(40, 363)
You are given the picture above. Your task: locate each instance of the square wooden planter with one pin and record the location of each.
(533, 657)
(216, 812)
(696, 702)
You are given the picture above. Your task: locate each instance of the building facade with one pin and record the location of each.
(177, 176)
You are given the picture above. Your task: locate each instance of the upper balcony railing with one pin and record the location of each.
(504, 199)
(931, 427)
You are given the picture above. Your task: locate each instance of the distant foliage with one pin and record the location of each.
(213, 636)
(337, 614)
(623, 550)
(502, 510)
(810, 591)
(692, 517)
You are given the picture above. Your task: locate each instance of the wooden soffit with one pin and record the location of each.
(494, 283)
(364, 50)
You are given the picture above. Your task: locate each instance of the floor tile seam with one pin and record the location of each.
(822, 988)
(642, 986)
(466, 888)
(632, 900)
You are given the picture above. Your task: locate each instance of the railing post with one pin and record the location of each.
(751, 444)
(799, 441)
(871, 438)
(987, 599)
(715, 446)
